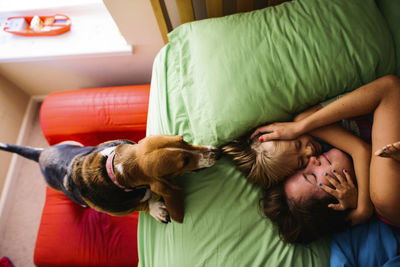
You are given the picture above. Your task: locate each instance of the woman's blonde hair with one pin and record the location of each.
(264, 168)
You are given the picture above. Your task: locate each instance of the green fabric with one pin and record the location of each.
(391, 11)
(247, 69)
(217, 79)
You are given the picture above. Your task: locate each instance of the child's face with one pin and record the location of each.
(297, 152)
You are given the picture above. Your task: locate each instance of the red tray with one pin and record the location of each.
(42, 26)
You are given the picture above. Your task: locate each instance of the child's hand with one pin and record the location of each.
(345, 191)
(278, 131)
(390, 150)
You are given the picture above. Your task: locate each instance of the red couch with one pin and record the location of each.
(70, 235)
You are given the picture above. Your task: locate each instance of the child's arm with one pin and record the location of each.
(358, 102)
(361, 155)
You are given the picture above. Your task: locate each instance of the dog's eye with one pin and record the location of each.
(186, 160)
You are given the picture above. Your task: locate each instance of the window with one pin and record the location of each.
(93, 31)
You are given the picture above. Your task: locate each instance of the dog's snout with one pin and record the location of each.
(208, 157)
(215, 153)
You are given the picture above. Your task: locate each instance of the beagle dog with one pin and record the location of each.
(119, 177)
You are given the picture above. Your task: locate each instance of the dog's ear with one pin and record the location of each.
(167, 183)
(168, 176)
(162, 163)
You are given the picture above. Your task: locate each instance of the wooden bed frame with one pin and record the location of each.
(190, 10)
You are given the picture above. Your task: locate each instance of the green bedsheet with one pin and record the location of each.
(218, 78)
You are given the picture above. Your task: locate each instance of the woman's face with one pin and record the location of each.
(305, 183)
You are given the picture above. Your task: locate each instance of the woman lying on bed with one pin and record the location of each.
(302, 206)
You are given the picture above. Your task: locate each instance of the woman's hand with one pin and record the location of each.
(278, 130)
(345, 191)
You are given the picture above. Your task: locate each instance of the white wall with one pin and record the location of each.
(41, 78)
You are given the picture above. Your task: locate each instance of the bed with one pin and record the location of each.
(218, 78)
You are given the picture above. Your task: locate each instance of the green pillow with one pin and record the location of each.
(391, 11)
(230, 74)
(218, 78)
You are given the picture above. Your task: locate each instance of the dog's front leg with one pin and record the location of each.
(155, 208)
(173, 198)
(175, 205)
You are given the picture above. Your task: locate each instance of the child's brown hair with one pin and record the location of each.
(264, 168)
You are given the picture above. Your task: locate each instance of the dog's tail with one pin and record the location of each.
(27, 152)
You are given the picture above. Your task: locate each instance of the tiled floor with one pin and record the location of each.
(23, 221)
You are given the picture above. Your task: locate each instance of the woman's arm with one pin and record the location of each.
(358, 102)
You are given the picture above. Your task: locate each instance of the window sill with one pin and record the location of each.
(93, 34)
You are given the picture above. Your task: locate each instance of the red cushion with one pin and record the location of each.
(92, 116)
(70, 235)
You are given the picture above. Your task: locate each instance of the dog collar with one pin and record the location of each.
(110, 171)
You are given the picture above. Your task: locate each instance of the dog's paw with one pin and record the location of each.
(159, 211)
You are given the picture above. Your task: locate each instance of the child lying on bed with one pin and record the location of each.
(267, 163)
